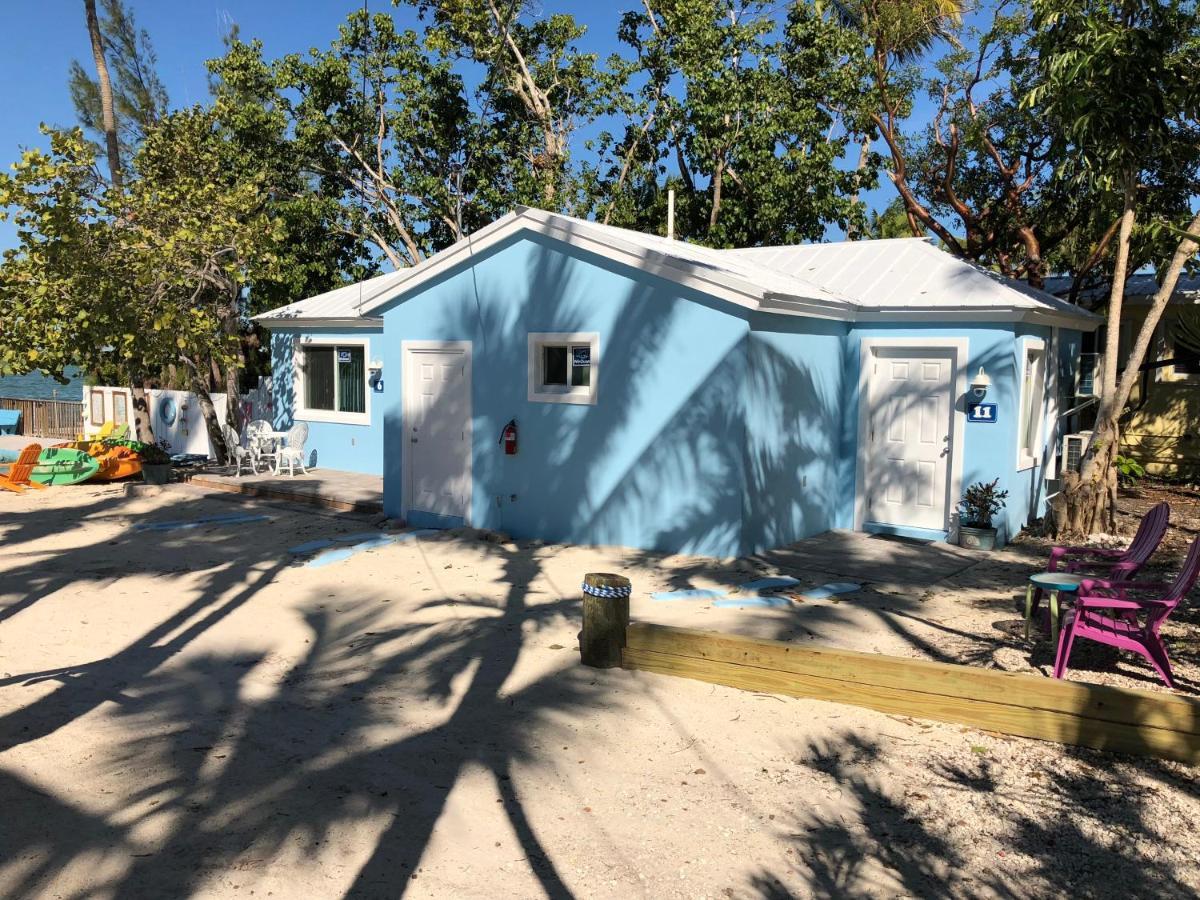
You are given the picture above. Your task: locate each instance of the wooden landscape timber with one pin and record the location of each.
(1066, 712)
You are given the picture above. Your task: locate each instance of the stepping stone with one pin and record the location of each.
(200, 523)
(330, 556)
(356, 538)
(697, 594)
(752, 601)
(767, 584)
(828, 590)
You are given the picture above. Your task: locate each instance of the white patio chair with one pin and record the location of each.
(260, 444)
(240, 455)
(293, 454)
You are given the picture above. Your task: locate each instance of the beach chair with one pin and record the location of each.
(240, 455)
(103, 434)
(1128, 615)
(119, 433)
(1113, 565)
(10, 421)
(293, 454)
(16, 478)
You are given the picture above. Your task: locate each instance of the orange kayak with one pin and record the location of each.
(115, 460)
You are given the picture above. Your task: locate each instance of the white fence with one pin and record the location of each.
(175, 416)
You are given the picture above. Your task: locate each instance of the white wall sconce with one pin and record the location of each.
(980, 384)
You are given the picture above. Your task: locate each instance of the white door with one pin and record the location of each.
(437, 424)
(910, 425)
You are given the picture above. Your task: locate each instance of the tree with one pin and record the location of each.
(141, 278)
(980, 174)
(534, 76)
(139, 98)
(1118, 88)
(748, 115)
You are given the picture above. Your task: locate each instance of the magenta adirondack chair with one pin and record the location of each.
(1116, 565)
(1128, 615)
(1120, 563)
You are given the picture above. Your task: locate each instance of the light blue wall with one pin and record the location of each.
(655, 463)
(795, 484)
(352, 448)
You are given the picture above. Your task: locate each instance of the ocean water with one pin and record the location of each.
(39, 387)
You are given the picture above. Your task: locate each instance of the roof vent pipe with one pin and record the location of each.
(671, 214)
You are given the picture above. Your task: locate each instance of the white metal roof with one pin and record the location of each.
(867, 280)
(905, 274)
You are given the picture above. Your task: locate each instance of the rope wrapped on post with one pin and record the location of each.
(599, 590)
(605, 619)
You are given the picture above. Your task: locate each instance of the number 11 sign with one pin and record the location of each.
(981, 412)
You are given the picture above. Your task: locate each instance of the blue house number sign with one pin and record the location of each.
(981, 412)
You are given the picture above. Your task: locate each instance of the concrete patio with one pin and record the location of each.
(326, 488)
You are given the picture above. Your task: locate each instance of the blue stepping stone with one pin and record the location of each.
(767, 584)
(829, 590)
(200, 523)
(330, 556)
(752, 601)
(356, 538)
(697, 594)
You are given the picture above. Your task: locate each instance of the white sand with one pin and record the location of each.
(189, 713)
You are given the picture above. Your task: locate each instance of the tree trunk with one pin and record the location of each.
(864, 149)
(215, 434)
(143, 427)
(1087, 500)
(107, 112)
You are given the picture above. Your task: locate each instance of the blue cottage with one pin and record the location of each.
(556, 378)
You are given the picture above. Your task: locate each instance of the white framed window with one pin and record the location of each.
(1032, 381)
(564, 367)
(97, 413)
(331, 382)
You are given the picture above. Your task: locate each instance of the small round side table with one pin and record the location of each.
(1055, 583)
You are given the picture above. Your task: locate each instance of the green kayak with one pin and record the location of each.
(60, 465)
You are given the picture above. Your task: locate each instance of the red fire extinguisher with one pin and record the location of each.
(508, 437)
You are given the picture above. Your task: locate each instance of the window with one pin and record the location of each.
(333, 382)
(1033, 392)
(1187, 360)
(563, 367)
(120, 409)
(97, 415)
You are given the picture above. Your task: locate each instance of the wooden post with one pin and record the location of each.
(605, 619)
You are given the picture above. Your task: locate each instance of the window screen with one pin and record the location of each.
(554, 369)
(318, 378)
(351, 380)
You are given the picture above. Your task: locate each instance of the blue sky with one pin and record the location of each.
(45, 35)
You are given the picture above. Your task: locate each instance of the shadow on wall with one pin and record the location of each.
(661, 461)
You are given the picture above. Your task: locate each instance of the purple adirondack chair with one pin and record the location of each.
(1116, 565)
(1128, 615)
(1120, 563)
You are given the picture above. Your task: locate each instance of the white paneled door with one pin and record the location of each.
(437, 425)
(910, 429)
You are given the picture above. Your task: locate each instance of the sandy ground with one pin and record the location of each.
(192, 713)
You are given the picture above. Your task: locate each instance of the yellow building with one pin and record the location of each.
(1161, 425)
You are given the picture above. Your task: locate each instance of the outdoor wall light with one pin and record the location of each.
(980, 384)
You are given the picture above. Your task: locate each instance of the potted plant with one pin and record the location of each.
(979, 505)
(156, 464)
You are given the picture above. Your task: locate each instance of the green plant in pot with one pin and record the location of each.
(156, 464)
(978, 506)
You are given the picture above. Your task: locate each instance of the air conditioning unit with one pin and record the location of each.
(1074, 446)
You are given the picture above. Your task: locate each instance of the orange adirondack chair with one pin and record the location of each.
(17, 477)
